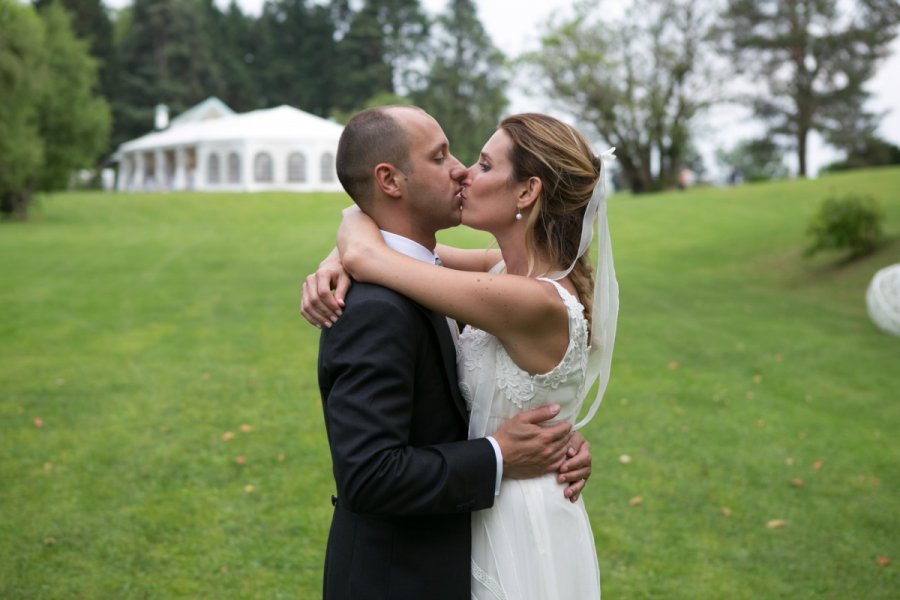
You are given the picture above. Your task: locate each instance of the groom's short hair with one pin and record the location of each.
(371, 137)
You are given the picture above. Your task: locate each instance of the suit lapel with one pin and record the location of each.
(448, 354)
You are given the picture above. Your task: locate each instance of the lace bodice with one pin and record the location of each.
(482, 361)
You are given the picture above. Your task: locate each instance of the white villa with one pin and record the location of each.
(211, 148)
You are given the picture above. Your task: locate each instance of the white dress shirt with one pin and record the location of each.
(416, 250)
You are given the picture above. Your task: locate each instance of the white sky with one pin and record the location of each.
(515, 26)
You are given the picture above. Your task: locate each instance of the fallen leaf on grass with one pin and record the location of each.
(760, 422)
(239, 459)
(246, 428)
(21, 410)
(789, 462)
(749, 395)
(757, 378)
(636, 501)
(725, 511)
(248, 489)
(60, 381)
(227, 436)
(883, 561)
(673, 365)
(49, 541)
(38, 422)
(779, 358)
(818, 464)
(205, 377)
(281, 457)
(624, 459)
(797, 482)
(776, 523)
(48, 466)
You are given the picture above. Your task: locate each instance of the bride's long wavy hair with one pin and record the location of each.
(562, 159)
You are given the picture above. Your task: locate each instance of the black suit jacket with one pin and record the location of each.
(407, 479)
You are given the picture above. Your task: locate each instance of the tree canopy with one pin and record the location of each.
(813, 58)
(52, 121)
(638, 83)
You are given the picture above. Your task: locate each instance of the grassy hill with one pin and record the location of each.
(162, 436)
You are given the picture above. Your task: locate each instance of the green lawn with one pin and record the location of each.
(138, 330)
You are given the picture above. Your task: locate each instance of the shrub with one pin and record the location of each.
(851, 224)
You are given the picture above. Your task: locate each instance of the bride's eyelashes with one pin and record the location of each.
(484, 167)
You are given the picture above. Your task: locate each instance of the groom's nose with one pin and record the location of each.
(458, 172)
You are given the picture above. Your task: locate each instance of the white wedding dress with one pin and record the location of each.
(533, 543)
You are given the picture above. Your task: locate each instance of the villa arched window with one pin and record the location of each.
(262, 168)
(212, 169)
(327, 168)
(296, 168)
(234, 168)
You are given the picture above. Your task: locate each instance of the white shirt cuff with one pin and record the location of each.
(499, 456)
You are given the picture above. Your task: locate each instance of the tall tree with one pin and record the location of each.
(297, 63)
(51, 122)
(465, 87)
(235, 45)
(90, 22)
(74, 123)
(167, 56)
(812, 57)
(21, 62)
(383, 47)
(638, 83)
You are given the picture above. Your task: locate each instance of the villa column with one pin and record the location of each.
(200, 182)
(126, 166)
(140, 177)
(180, 182)
(159, 170)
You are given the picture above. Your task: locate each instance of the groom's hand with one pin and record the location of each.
(323, 293)
(530, 449)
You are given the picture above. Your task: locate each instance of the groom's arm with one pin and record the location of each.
(367, 371)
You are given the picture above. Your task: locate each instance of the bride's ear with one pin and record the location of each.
(530, 192)
(389, 180)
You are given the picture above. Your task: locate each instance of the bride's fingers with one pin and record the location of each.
(310, 310)
(573, 476)
(573, 491)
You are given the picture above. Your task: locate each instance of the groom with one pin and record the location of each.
(407, 478)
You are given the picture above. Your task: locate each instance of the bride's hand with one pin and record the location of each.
(357, 237)
(576, 469)
(323, 292)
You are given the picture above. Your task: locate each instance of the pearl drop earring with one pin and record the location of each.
(518, 214)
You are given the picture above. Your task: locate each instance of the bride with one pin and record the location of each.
(539, 330)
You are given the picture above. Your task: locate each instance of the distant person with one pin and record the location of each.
(407, 477)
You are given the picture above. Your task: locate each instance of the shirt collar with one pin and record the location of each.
(408, 247)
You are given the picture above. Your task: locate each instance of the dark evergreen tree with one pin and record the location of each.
(296, 63)
(167, 56)
(236, 47)
(383, 49)
(812, 56)
(465, 87)
(90, 21)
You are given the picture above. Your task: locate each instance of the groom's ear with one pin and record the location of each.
(389, 180)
